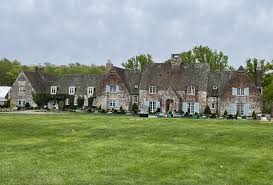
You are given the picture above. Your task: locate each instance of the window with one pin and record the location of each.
(215, 87)
(152, 89)
(90, 91)
(213, 106)
(240, 108)
(21, 103)
(71, 90)
(240, 91)
(136, 86)
(53, 90)
(113, 89)
(85, 103)
(152, 106)
(67, 101)
(191, 90)
(22, 89)
(190, 108)
(112, 103)
(135, 99)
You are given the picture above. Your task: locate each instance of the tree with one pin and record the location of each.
(41, 99)
(207, 110)
(203, 54)
(138, 63)
(135, 108)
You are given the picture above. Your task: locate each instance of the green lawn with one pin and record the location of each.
(79, 149)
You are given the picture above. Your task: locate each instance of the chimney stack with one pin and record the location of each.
(175, 60)
(40, 70)
(259, 76)
(109, 65)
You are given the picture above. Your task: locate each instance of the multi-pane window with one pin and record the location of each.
(191, 90)
(71, 90)
(90, 91)
(152, 89)
(190, 108)
(112, 103)
(213, 106)
(22, 89)
(240, 108)
(53, 90)
(113, 89)
(135, 99)
(21, 103)
(152, 106)
(240, 91)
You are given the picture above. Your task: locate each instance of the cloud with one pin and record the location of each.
(91, 31)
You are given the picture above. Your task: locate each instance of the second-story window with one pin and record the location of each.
(90, 91)
(71, 90)
(240, 92)
(152, 89)
(53, 90)
(191, 90)
(113, 89)
(22, 89)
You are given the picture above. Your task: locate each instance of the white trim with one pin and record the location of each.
(191, 90)
(72, 90)
(152, 89)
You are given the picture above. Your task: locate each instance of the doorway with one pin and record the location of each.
(169, 105)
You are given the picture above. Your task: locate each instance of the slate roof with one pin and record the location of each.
(179, 78)
(81, 82)
(40, 83)
(130, 79)
(218, 79)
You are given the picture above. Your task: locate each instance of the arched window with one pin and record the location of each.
(191, 90)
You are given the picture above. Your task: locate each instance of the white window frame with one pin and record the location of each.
(152, 89)
(135, 99)
(240, 108)
(190, 108)
(21, 102)
(136, 86)
(215, 87)
(75, 101)
(191, 90)
(213, 106)
(71, 90)
(53, 90)
(152, 106)
(240, 91)
(90, 91)
(113, 89)
(67, 101)
(22, 89)
(112, 103)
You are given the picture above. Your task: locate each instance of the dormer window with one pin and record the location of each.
(90, 91)
(215, 88)
(71, 90)
(22, 89)
(191, 90)
(113, 89)
(240, 92)
(53, 90)
(152, 89)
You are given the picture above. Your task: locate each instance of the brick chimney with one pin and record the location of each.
(109, 65)
(259, 76)
(40, 70)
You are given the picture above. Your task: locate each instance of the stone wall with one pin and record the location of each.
(15, 95)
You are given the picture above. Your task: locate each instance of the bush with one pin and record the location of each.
(158, 110)
(207, 110)
(27, 105)
(121, 110)
(254, 115)
(135, 108)
(41, 99)
(225, 114)
(213, 116)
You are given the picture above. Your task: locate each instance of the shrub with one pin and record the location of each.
(41, 99)
(213, 116)
(27, 105)
(135, 108)
(254, 115)
(207, 110)
(158, 110)
(225, 113)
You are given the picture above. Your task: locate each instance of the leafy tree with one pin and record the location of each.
(41, 99)
(138, 62)
(203, 54)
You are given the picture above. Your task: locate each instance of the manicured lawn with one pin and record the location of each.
(80, 149)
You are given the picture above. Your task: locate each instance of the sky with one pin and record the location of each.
(93, 31)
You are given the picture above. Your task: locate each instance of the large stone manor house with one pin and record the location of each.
(161, 87)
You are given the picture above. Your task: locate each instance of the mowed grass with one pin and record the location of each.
(82, 149)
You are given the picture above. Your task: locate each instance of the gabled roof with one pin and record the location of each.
(39, 83)
(164, 75)
(81, 82)
(130, 79)
(218, 79)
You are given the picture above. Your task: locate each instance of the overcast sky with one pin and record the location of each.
(92, 31)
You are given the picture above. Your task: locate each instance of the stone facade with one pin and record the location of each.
(21, 91)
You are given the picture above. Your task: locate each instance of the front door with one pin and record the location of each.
(169, 106)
